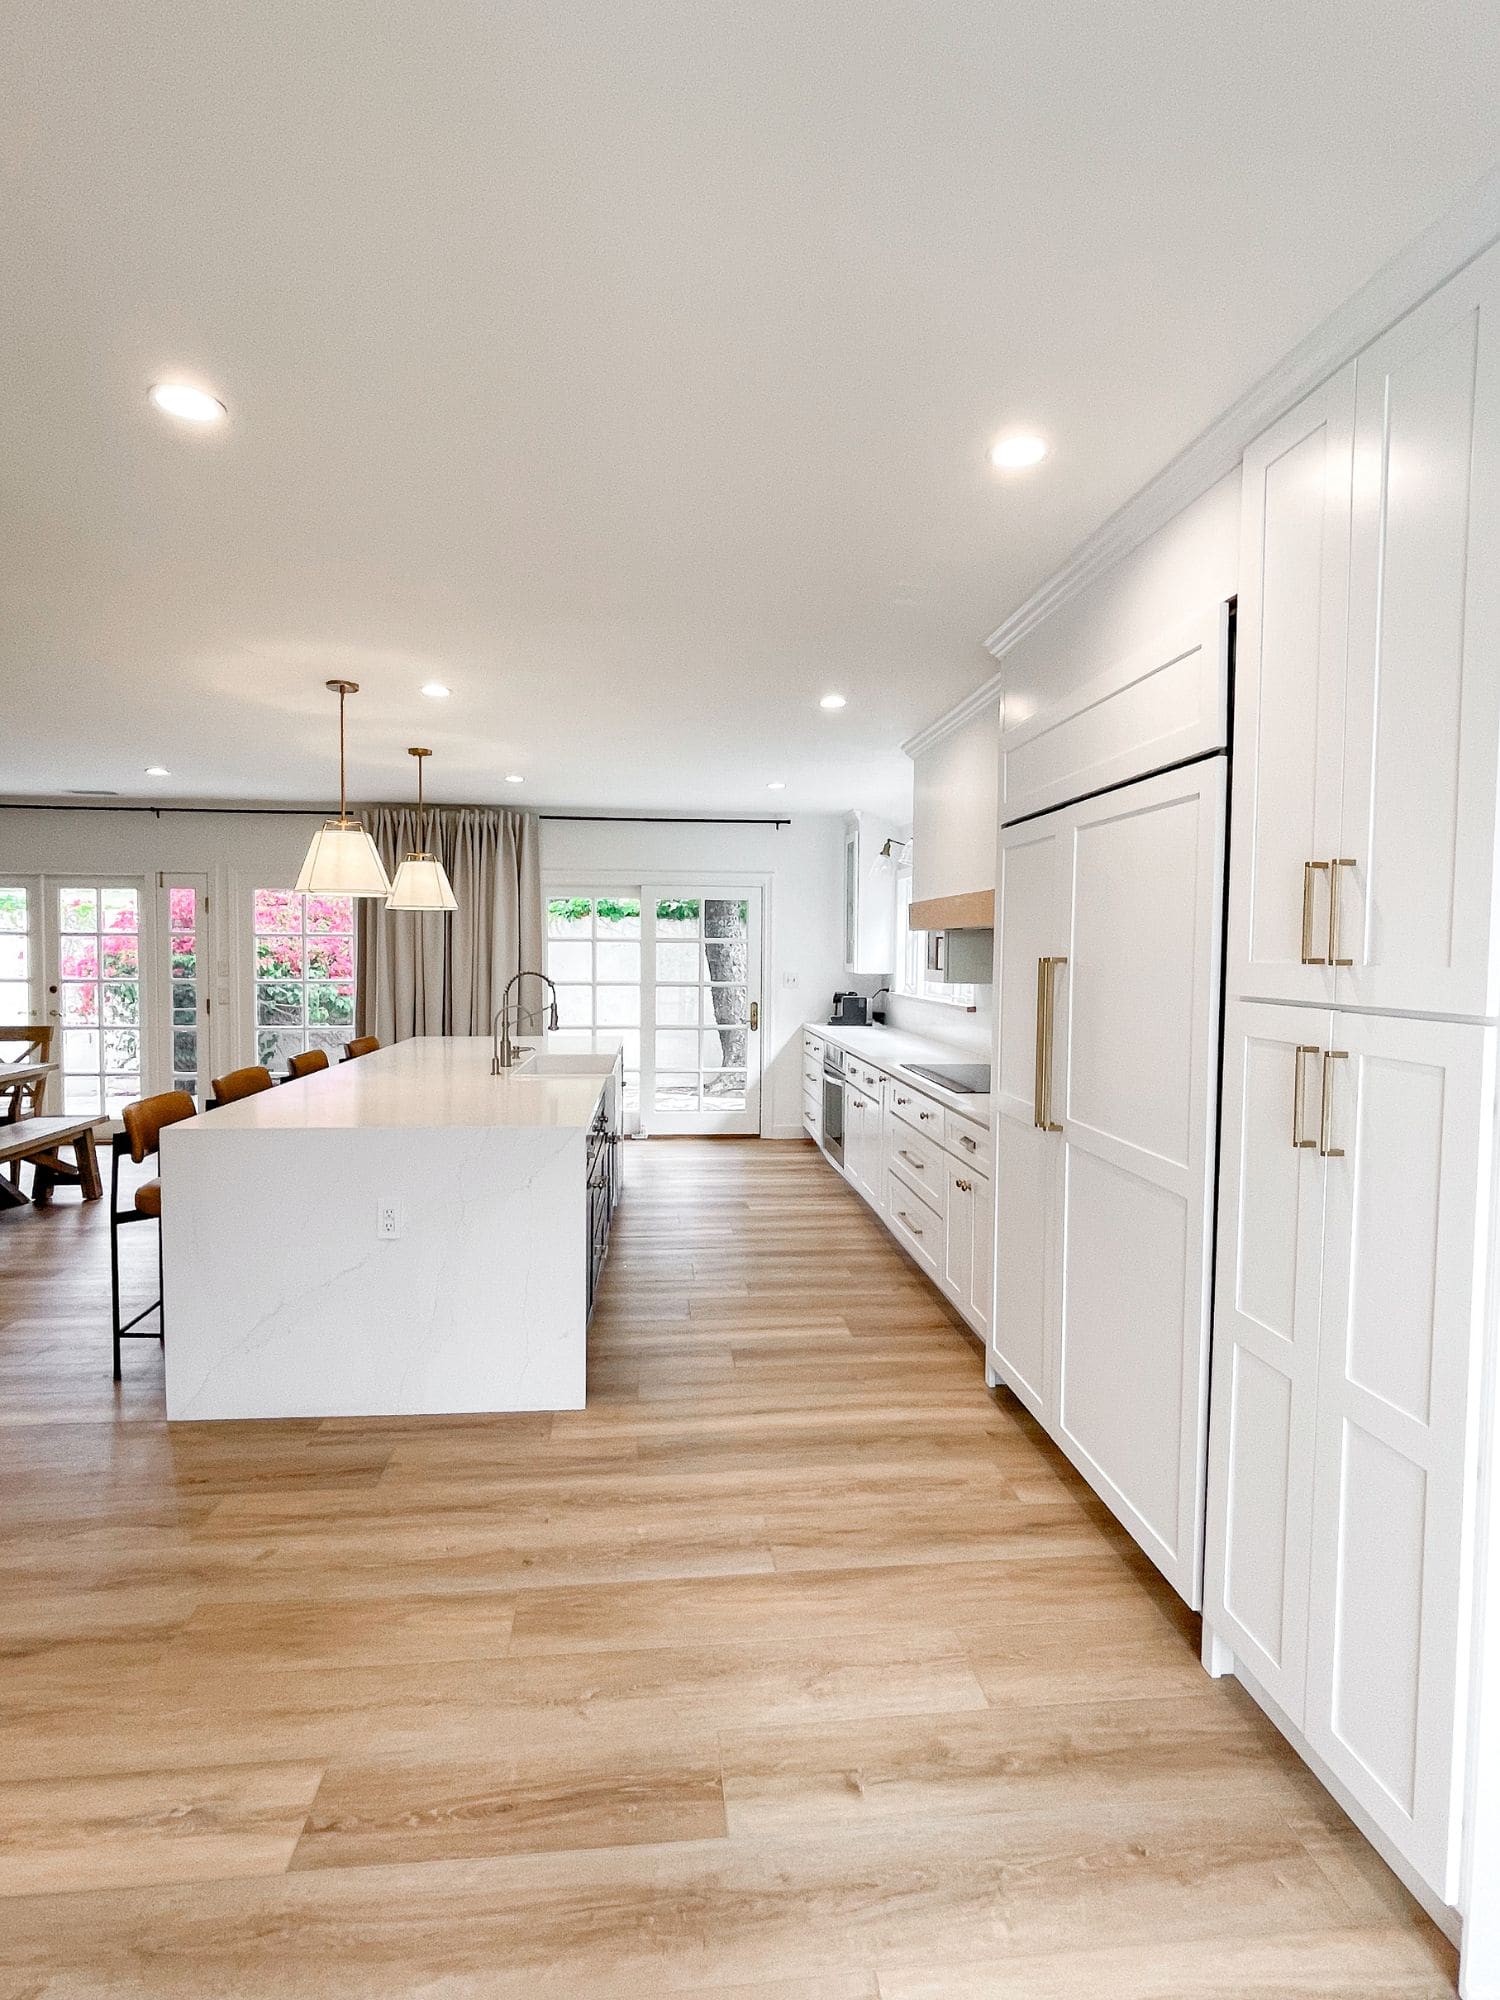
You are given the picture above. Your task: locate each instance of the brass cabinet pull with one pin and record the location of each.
(1041, 1041)
(964, 1187)
(1335, 942)
(1309, 869)
(1048, 1123)
(1325, 1119)
(908, 1221)
(965, 1140)
(1299, 1071)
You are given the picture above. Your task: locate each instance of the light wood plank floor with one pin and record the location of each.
(796, 1667)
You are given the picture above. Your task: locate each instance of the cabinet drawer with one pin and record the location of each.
(812, 1048)
(812, 1075)
(871, 1080)
(812, 1101)
(967, 1141)
(918, 1228)
(919, 1111)
(917, 1160)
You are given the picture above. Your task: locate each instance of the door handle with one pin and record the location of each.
(1309, 869)
(1041, 1042)
(754, 1015)
(1299, 1071)
(1049, 1124)
(1325, 1118)
(1334, 940)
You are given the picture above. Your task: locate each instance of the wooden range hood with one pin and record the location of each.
(974, 911)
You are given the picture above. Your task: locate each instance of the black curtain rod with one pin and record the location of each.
(314, 812)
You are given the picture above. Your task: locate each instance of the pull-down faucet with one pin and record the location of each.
(505, 1048)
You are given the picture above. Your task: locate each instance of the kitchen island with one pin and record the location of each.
(403, 1234)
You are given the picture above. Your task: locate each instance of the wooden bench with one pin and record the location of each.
(36, 1140)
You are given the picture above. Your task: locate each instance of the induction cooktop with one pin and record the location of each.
(969, 1079)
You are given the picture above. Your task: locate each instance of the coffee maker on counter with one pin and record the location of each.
(855, 1010)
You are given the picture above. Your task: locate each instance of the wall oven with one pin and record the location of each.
(833, 1102)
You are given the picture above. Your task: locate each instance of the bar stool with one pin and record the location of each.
(362, 1045)
(144, 1124)
(307, 1064)
(239, 1083)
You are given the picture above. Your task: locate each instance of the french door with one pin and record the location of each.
(676, 971)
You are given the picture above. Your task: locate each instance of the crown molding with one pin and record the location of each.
(1434, 257)
(953, 719)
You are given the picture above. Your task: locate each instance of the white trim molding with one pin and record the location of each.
(1435, 256)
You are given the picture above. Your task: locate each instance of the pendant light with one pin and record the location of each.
(342, 859)
(421, 881)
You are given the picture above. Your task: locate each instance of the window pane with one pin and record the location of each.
(618, 917)
(121, 1006)
(81, 1094)
(676, 1048)
(12, 956)
(679, 962)
(570, 961)
(119, 910)
(185, 1049)
(630, 1040)
(121, 956)
(727, 1004)
(726, 1090)
(13, 910)
(575, 1006)
(184, 1003)
(275, 1047)
(15, 1004)
(79, 1004)
(617, 1006)
(182, 908)
(618, 961)
(329, 913)
(277, 910)
(184, 955)
(677, 1006)
(330, 958)
(676, 1093)
(80, 909)
(122, 1050)
(278, 958)
(330, 1040)
(278, 1003)
(724, 1048)
(80, 1050)
(120, 1090)
(331, 1005)
(675, 918)
(80, 957)
(569, 917)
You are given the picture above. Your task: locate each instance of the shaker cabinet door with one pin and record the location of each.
(1406, 1134)
(1291, 643)
(1271, 1190)
(1415, 865)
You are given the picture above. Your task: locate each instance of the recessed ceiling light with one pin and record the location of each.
(435, 691)
(514, 778)
(1019, 450)
(157, 771)
(831, 701)
(194, 406)
(776, 785)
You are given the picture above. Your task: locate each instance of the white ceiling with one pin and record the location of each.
(631, 368)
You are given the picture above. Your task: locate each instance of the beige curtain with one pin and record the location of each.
(427, 974)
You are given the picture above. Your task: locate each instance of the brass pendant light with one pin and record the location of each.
(342, 859)
(421, 881)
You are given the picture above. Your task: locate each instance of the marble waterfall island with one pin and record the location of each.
(403, 1234)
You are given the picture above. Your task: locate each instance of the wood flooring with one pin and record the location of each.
(795, 1667)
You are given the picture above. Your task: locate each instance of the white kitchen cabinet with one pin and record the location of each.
(1354, 1204)
(967, 1243)
(1367, 717)
(1104, 1157)
(954, 782)
(864, 1141)
(869, 896)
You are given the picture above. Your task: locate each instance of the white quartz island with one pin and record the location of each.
(402, 1234)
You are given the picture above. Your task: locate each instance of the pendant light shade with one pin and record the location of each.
(421, 880)
(342, 860)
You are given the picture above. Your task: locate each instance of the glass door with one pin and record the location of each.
(98, 947)
(182, 919)
(700, 1010)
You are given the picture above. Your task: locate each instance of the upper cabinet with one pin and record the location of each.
(869, 895)
(954, 784)
(1366, 722)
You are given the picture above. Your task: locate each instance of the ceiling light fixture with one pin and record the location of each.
(831, 701)
(435, 691)
(776, 785)
(341, 857)
(193, 406)
(421, 880)
(157, 771)
(1018, 451)
(514, 778)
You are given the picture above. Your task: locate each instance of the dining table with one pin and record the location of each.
(14, 1078)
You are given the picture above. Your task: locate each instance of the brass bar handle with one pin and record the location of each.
(1299, 1073)
(1325, 1120)
(1048, 1122)
(1041, 1041)
(1335, 942)
(1309, 869)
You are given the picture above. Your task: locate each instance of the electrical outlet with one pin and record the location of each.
(389, 1221)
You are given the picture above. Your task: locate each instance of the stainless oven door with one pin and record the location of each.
(833, 1115)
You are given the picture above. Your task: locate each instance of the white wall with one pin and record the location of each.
(800, 866)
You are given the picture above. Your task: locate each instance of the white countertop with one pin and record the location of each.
(893, 1050)
(429, 1081)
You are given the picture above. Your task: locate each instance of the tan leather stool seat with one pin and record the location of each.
(148, 1198)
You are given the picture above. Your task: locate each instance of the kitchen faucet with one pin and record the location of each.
(505, 1048)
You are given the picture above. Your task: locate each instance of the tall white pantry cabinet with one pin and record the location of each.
(1362, 975)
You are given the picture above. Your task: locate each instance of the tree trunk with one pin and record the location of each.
(726, 946)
